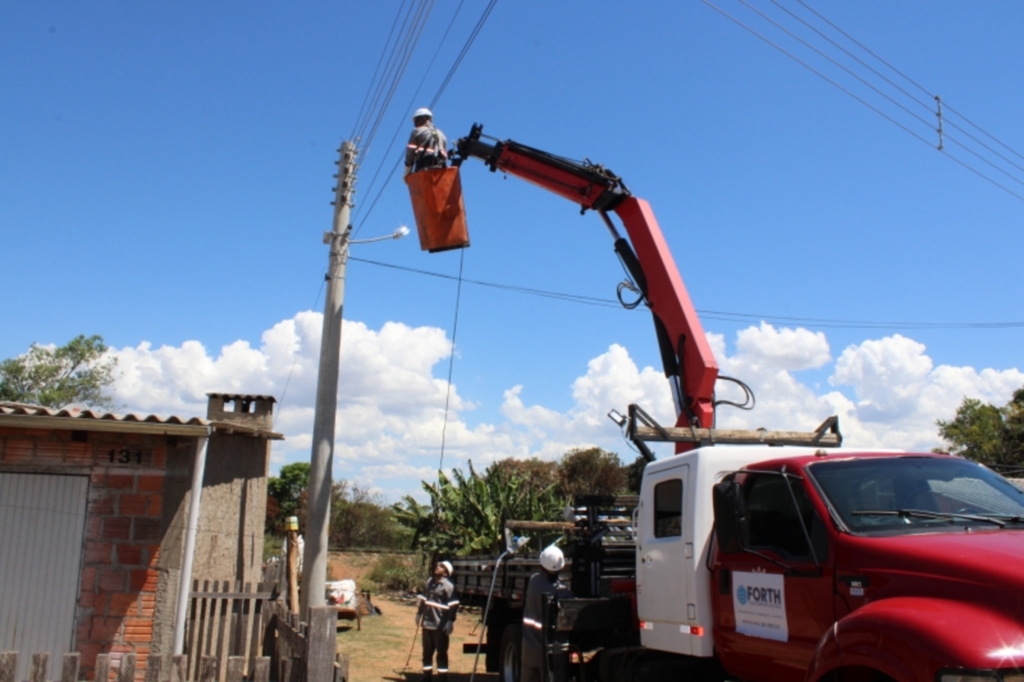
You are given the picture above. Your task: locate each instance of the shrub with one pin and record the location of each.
(397, 573)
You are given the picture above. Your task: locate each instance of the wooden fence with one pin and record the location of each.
(227, 620)
(125, 671)
(289, 670)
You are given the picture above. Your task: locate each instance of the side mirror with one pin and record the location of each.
(731, 529)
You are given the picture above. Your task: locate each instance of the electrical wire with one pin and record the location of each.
(451, 72)
(465, 50)
(284, 391)
(451, 364)
(721, 315)
(380, 61)
(943, 135)
(402, 124)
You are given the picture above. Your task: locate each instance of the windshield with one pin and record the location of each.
(901, 495)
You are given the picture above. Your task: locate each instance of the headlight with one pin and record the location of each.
(973, 677)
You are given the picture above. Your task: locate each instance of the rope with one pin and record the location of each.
(451, 364)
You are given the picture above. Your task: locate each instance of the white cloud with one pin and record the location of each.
(391, 406)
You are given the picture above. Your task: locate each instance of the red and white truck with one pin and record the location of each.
(760, 555)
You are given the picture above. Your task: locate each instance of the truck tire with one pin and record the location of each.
(511, 652)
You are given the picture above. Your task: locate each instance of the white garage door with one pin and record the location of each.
(42, 519)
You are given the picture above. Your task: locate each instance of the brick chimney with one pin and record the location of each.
(253, 411)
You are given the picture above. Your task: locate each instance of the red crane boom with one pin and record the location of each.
(686, 356)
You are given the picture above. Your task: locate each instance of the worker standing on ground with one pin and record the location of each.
(427, 144)
(436, 615)
(542, 583)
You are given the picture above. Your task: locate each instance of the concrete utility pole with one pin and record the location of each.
(314, 569)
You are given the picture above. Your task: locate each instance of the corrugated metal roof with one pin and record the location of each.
(37, 416)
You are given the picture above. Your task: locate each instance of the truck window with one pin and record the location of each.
(775, 521)
(914, 494)
(668, 509)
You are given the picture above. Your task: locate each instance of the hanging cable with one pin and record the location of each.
(451, 362)
(721, 315)
(284, 391)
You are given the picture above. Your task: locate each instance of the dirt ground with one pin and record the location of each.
(381, 649)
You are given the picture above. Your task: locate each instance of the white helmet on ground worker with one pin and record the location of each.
(446, 566)
(421, 112)
(552, 560)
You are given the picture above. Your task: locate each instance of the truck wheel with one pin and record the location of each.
(511, 652)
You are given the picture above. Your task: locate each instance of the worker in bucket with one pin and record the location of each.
(544, 582)
(438, 607)
(426, 148)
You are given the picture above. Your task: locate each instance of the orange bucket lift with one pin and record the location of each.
(440, 213)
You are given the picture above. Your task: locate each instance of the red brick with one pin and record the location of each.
(151, 483)
(78, 453)
(129, 554)
(116, 528)
(89, 651)
(38, 433)
(19, 451)
(101, 507)
(112, 579)
(105, 630)
(155, 505)
(147, 604)
(132, 505)
(139, 632)
(93, 528)
(159, 457)
(98, 478)
(146, 530)
(88, 579)
(49, 452)
(99, 604)
(153, 552)
(144, 581)
(99, 553)
(124, 605)
(121, 481)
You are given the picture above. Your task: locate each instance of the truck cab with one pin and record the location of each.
(803, 564)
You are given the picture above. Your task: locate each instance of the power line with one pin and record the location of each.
(465, 49)
(380, 60)
(877, 90)
(401, 125)
(451, 72)
(721, 315)
(914, 83)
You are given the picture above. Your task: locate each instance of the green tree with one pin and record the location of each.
(286, 496)
(361, 520)
(77, 372)
(635, 474)
(467, 513)
(985, 433)
(591, 471)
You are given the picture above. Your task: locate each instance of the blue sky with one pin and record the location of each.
(167, 170)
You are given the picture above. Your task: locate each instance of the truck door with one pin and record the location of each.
(664, 557)
(775, 599)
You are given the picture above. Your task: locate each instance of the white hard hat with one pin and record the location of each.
(551, 559)
(447, 566)
(422, 111)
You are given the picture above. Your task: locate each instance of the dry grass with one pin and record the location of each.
(380, 650)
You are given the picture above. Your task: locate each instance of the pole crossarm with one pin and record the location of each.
(641, 428)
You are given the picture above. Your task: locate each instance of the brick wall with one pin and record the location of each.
(124, 527)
